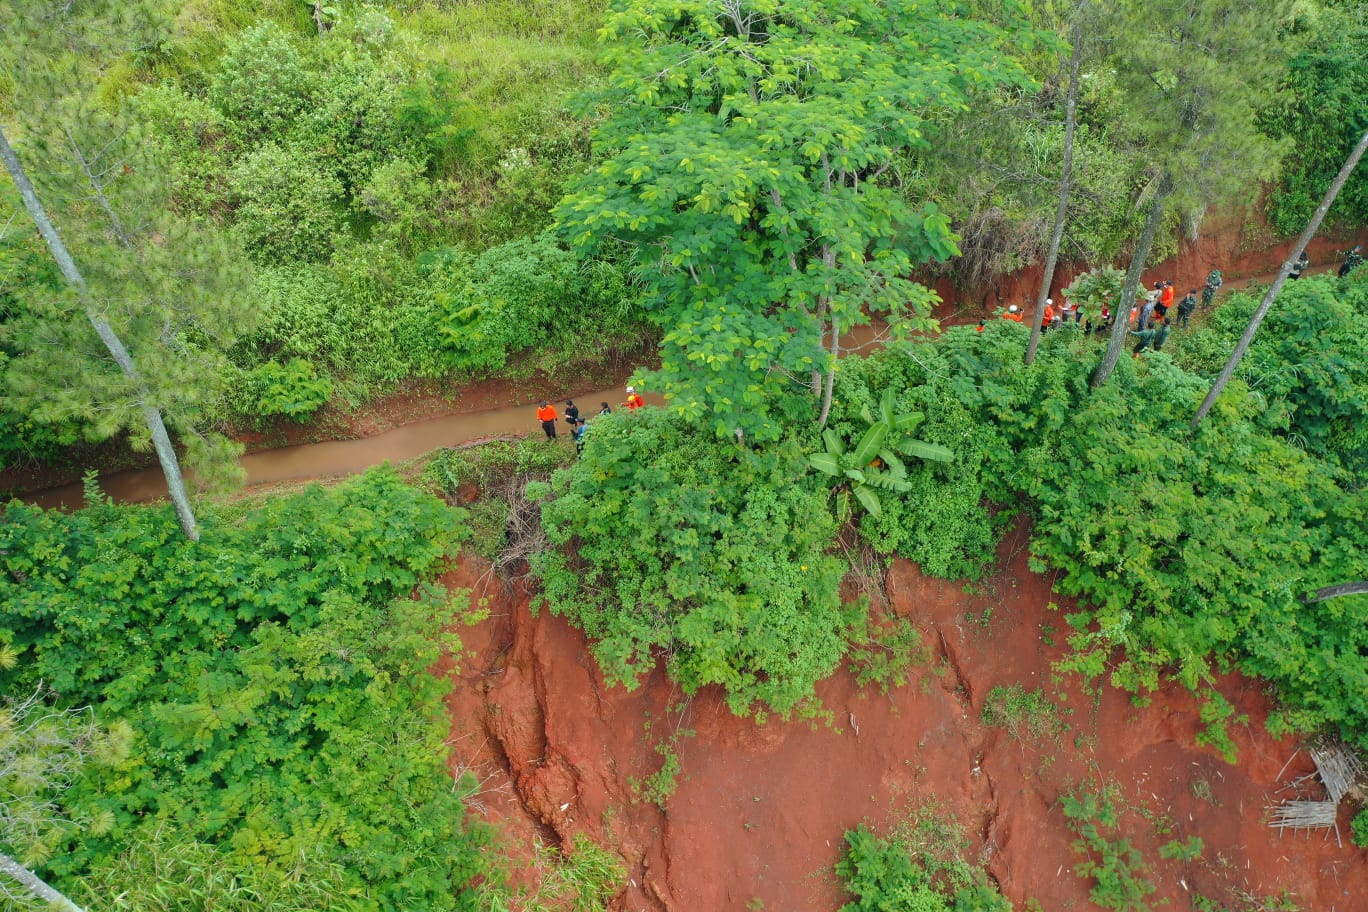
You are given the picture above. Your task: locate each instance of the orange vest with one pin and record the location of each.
(1011, 316)
(1048, 318)
(634, 401)
(1167, 297)
(546, 414)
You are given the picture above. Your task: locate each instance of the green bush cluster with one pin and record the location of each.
(393, 198)
(1116, 867)
(1310, 364)
(712, 558)
(1322, 108)
(885, 876)
(277, 678)
(1190, 553)
(293, 389)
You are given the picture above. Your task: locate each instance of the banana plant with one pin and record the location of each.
(875, 464)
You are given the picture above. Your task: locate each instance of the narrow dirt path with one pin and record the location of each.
(347, 457)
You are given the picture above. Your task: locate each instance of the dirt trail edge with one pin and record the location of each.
(757, 817)
(346, 457)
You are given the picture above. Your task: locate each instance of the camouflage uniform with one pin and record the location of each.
(1213, 282)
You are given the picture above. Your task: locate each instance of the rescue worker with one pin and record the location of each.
(1303, 263)
(1012, 313)
(546, 414)
(1351, 259)
(634, 401)
(1213, 284)
(1186, 306)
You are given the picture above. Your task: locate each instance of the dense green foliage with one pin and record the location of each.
(884, 876)
(1310, 364)
(1200, 559)
(746, 150)
(711, 556)
(1324, 110)
(277, 679)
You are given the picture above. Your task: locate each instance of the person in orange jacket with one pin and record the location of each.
(546, 414)
(634, 401)
(1047, 318)
(1012, 313)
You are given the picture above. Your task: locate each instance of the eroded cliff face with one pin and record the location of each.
(757, 818)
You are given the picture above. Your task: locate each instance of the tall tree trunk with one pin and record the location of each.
(1329, 592)
(831, 373)
(35, 885)
(1248, 336)
(1065, 186)
(1121, 315)
(161, 440)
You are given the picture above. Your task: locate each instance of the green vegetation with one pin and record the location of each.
(1321, 110)
(583, 879)
(1115, 865)
(1360, 829)
(1021, 712)
(712, 556)
(885, 875)
(279, 205)
(746, 153)
(275, 677)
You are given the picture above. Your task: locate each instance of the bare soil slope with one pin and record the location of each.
(757, 818)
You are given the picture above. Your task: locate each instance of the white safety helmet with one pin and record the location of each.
(1012, 309)
(1049, 300)
(631, 389)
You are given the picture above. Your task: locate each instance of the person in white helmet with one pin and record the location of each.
(1013, 313)
(634, 401)
(1068, 312)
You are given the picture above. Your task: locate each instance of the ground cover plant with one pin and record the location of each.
(712, 555)
(276, 680)
(888, 874)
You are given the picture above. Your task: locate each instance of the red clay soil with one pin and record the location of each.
(757, 818)
(1241, 250)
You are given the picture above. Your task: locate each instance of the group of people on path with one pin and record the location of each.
(547, 415)
(1149, 319)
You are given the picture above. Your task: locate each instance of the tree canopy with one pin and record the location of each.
(751, 149)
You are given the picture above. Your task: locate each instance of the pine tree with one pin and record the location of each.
(161, 291)
(1194, 74)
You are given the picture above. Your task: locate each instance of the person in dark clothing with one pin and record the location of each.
(1186, 306)
(581, 425)
(1351, 259)
(1161, 334)
(604, 409)
(1303, 263)
(571, 414)
(1154, 337)
(1213, 284)
(1146, 336)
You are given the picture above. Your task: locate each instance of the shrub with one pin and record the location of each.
(883, 876)
(1309, 364)
(287, 206)
(292, 389)
(1022, 712)
(1116, 866)
(276, 674)
(1360, 829)
(265, 81)
(710, 557)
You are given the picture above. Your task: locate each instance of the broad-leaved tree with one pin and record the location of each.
(751, 154)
